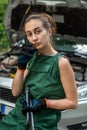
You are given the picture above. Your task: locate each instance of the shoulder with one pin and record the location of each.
(64, 62)
(65, 69)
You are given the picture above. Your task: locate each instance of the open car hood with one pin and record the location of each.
(70, 16)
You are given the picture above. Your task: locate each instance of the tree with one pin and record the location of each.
(4, 44)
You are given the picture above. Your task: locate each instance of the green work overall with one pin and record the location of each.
(44, 82)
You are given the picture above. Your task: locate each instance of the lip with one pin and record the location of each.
(36, 44)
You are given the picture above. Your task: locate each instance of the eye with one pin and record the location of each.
(38, 31)
(28, 34)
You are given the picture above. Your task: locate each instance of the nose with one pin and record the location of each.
(34, 37)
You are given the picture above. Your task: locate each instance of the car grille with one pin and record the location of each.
(6, 94)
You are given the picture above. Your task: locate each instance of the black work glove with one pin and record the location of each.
(25, 108)
(37, 105)
(22, 61)
(26, 55)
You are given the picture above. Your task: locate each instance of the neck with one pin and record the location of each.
(48, 51)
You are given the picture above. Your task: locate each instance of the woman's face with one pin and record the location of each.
(37, 35)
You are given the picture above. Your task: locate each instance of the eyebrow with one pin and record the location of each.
(33, 29)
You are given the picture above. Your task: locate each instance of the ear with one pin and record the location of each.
(50, 31)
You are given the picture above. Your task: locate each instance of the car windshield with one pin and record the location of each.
(70, 46)
(77, 54)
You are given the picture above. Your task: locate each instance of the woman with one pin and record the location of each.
(49, 77)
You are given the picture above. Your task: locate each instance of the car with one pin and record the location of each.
(77, 54)
(70, 40)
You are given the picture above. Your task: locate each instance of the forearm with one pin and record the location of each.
(17, 85)
(62, 104)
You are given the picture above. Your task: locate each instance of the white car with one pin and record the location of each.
(70, 40)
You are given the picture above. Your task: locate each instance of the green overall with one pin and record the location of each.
(44, 82)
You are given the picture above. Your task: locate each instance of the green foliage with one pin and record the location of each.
(3, 1)
(3, 38)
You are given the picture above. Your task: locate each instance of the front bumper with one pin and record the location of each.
(74, 119)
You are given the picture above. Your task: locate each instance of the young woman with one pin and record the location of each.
(49, 77)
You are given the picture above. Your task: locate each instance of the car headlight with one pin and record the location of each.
(82, 91)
